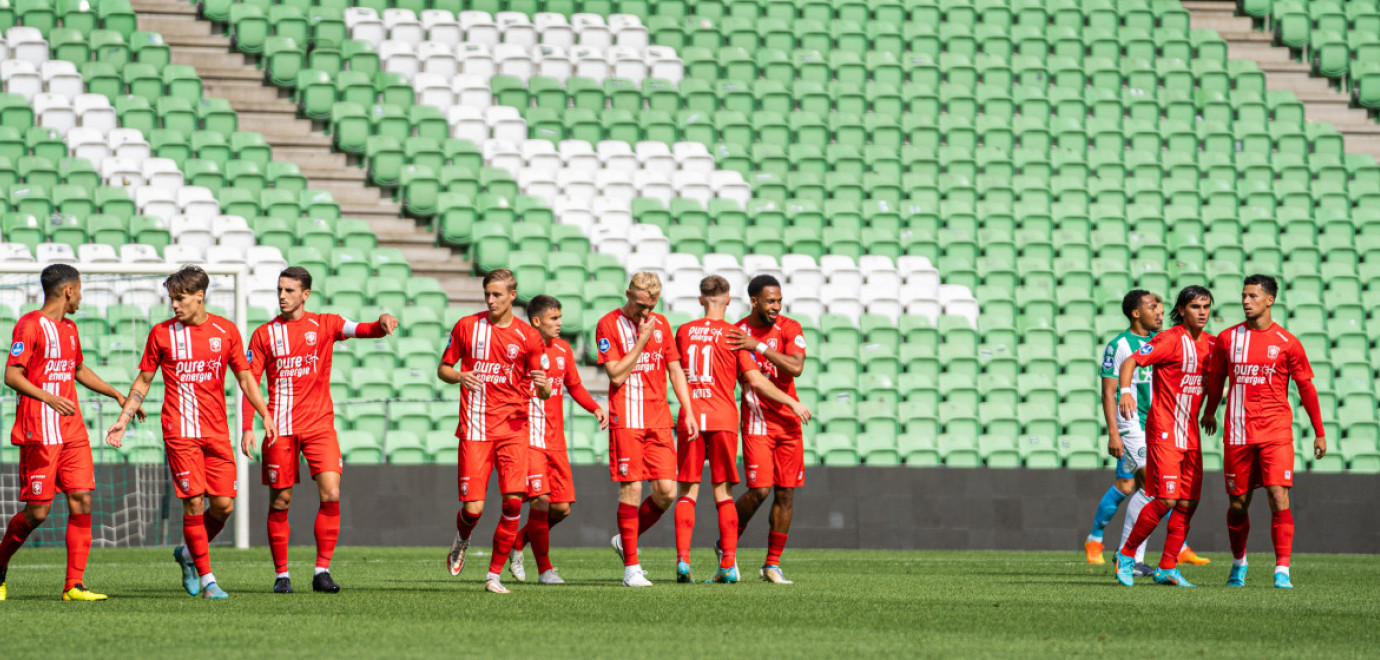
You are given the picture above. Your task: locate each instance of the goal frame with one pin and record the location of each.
(240, 273)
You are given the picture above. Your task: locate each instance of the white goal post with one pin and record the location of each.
(110, 281)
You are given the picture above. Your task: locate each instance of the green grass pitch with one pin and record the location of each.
(401, 602)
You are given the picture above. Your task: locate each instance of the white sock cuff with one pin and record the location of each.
(1238, 562)
(208, 579)
(1282, 569)
(283, 574)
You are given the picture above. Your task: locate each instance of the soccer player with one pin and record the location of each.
(1261, 358)
(547, 455)
(714, 369)
(773, 439)
(1181, 357)
(295, 349)
(638, 352)
(44, 366)
(502, 362)
(1145, 311)
(193, 350)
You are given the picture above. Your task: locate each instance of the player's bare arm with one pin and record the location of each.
(16, 380)
(682, 389)
(452, 376)
(1126, 406)
(114, 436)
(790, 364)
(249, 385)
(91, 381)
(619, 370)
(757, 381)
(1109, 411)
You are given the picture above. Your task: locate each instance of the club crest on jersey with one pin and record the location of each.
(215, 344)
(184, 484)
(622, 469)
(536, 485)
(1169, 487)
(17, 348)
(73, 340)
(1272, 352)
(512, 351)
(560, 362)
(272, 475)
(464, 488)
(1145, 350)
(603, 344)
(771, 343)
(311, 338)
(1231, 484)
(656, 334)
(1288, 474)
(36, 486)
(752, 476)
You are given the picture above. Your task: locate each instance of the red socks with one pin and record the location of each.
(464, 523)
(1282, 533)
(1238, 530)
(213, 525)
(78, 547)
(1174, 540)
(327, 531)
(506, 532)
(1150, 517)
(728, 533)
(278, 533)
(627, 531)
(15, 534)
(198, 544)
(647, 515)
(776, 543)
(685, 527)
(538, 530)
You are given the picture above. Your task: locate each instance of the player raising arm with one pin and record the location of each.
(295, 349)
(773, 439)
(54, 450)
(550, 485)
(638, 352)
(714, 369)
(502, 363)
(1260, 357)
(193, 350)
(1181, 358)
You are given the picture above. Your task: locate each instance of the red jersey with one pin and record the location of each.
(297, 356)
(762, 417)
(640, 402)
(712, 369)
(502, 358)
(547, 418)
(1180, 367)
(49, 351)
(1260, 365)
(193, 359)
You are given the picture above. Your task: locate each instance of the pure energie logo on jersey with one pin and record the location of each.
(198, 371)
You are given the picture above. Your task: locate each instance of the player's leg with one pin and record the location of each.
(1189, 491)
(326, 530)
(1134, 505)
(279, 471)
(38, 478)
(690, 456)
(537, 531)
(758, 461)
(1122, 486)
(188, 467)
(1238, 463)
(221, 484)
(510, 460)
(723, 473)
(1276, 463)
(788, 457)
(1161, 470)
(76, 476)
(476, 462)
(627, 469)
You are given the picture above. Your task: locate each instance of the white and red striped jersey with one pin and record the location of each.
(1260, 365)
(49, 352)
(296, 354)
(1181, 366)
(640, 402)
(194, 359)
(502, 359)
(547, 417)
(760, 416)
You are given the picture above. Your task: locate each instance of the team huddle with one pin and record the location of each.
(513, 376)
(1159, 388)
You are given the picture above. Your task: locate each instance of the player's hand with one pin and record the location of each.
(539, 379)
(1319, 447)
(1126, 406)
(470, 381)
(1209, 424)
(62, 406)
(1114, 446)
(389, 323)
(692, 428)
(247, 442)
(741, 341)
(801, 411)
(603, 417)
(114, 436)
(645, 328)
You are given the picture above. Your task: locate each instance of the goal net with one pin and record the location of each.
(133, 503)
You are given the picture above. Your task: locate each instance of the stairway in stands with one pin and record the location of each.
(1320, 101)
(230, 75)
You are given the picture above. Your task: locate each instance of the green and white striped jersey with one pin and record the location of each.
(1120, 349)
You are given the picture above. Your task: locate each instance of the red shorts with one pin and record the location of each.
(538, 473)
(778, 462)
(201, 466)
(479, 459)
(1172, 473)
(641, 454)
(559, 475)
(46, 470)
(281, 469)
(722, 450)
(1248, 467)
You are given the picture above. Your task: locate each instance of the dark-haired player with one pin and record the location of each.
(502, 363)
(1261, 358)
(193, 350)
(550, 484)
(773, 439)
(295, 349)
(44, 366)
(1181, 358)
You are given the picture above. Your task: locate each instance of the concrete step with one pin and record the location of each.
(1260, 51)
(161, 7)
